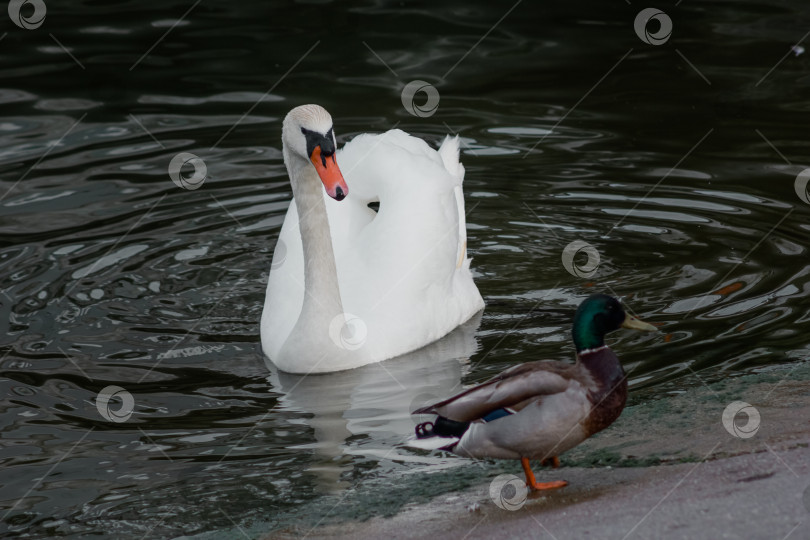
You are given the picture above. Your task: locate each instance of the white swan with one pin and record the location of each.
(350, 286)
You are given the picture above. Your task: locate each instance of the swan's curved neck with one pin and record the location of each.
(322, 301)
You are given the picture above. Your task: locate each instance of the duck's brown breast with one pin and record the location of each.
(609, 393)
(607, 406)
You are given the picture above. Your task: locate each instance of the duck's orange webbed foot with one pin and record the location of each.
(533, 483)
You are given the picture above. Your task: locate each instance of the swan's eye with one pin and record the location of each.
(315, 139)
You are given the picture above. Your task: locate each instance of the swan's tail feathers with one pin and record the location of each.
(449, 152)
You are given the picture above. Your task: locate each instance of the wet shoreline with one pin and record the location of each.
(667, 469)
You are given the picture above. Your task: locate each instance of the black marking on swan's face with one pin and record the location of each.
(315, 139)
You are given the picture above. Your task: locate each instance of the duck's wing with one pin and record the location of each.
(509, 389)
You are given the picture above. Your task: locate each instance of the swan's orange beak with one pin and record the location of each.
(332, 178)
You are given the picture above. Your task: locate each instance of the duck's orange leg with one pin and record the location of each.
(534, 484)
(553, 462)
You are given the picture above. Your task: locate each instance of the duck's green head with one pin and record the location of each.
(598, 315)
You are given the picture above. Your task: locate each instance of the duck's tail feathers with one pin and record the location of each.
(449, 152)
(434, 443)
(440, 434)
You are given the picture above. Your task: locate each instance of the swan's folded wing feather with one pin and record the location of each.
(449, 152)
(510, 388)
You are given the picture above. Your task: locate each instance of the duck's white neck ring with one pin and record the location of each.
(591, 351)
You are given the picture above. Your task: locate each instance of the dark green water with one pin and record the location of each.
(676, 162)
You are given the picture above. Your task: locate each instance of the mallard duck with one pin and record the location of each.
(539, 410)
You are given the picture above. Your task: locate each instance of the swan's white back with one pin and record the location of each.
(403, 271)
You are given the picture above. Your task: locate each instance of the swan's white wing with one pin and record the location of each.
(401, 273)
(449, 152)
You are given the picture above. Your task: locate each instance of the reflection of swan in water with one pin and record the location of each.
(373, 402)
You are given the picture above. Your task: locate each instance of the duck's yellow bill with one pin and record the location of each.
(637, 324)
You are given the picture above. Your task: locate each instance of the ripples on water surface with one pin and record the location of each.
(111, 275)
